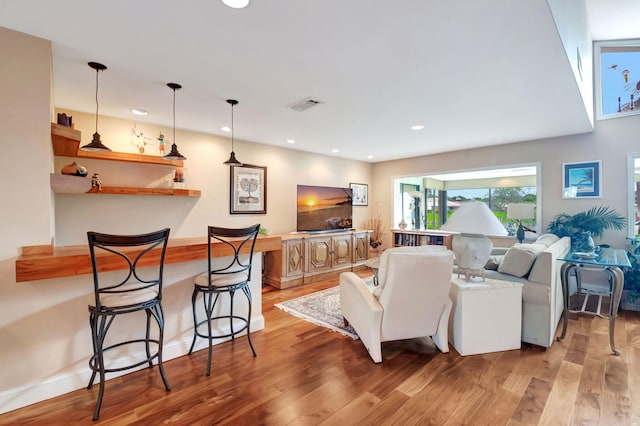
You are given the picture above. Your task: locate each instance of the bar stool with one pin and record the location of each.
(133, 284)
(233, 275)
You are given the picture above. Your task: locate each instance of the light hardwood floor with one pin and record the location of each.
(306, 374)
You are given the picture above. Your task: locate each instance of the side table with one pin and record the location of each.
(610, 260)
(373, 263)
(486, 315)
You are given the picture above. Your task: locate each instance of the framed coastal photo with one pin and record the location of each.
(248, 190)
(582, 180)
(360, 194)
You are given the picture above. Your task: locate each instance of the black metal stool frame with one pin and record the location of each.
(101, 317)
(237, 241)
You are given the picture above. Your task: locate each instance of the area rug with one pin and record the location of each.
(321, 308)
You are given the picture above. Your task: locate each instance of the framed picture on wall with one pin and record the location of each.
(248, 190)
(360, 194)
(582, 180)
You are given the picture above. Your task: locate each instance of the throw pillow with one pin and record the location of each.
(519, 259)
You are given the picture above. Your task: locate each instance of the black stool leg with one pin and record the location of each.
(159, 316)
(146, 341)
(211, 303)
(247, 292)
(232, 293)
(194, 296)
(100, 334)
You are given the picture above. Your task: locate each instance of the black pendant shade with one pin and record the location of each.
(174, 154)
(96, 144)
(232, 161)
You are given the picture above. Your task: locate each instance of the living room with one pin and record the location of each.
(45, 336)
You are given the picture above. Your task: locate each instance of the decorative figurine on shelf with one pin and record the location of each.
(74, 169)
(161, 144)
(96, 182)
(138, 139)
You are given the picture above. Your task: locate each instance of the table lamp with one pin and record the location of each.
(474, 221)
(520, 211)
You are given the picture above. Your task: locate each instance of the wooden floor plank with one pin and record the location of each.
(306, 374)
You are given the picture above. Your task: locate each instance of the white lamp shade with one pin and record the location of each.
(474, 218)
(521, 211)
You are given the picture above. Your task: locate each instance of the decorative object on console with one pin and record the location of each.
(402, 225)
(377, 231)
(174, 154)
(520, 212)
(474, 221)
(96, 144)
(74, 169)
(232, 161)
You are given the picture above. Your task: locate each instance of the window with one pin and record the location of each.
(422, 200)
(617, 76)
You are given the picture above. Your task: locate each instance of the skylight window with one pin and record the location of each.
(617, 78)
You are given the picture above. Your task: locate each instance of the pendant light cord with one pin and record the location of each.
(174, 116)
(232, 147)
(97, 72)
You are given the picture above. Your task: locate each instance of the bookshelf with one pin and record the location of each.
(420, 238)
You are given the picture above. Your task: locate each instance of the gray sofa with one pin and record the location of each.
(537, 267)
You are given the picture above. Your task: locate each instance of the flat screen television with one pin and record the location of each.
(324, 208)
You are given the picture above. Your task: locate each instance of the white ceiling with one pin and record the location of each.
(472, 72)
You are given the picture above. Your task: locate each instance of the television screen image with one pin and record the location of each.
(323, 208)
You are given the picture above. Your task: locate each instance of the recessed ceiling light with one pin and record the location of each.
(369, 156)
(236, 4)
(335, 150)
(290, 141)
(417, 127)
(138, 111)
(225, 129)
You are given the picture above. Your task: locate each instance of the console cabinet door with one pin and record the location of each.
(293, 257)
(360, 247)
(318, 254)
(341, 249)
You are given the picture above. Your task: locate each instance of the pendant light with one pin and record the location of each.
(96, 144)
(232, 161)
(174, 154)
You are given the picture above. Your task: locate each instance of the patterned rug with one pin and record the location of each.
(322, 308)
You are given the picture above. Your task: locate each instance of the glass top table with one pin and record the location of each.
(609, 260)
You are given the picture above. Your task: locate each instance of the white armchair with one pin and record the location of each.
(411, 299)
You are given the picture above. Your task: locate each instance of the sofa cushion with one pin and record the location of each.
(547, 239)
(520, 258)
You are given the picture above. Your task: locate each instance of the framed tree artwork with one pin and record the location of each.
(248, 190)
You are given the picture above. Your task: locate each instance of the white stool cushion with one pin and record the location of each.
(114, 300)
(222, 280)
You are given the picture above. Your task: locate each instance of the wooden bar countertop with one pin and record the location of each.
(47, 261)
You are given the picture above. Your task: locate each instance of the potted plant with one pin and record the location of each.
(583, 226)
(631, 292)
(377, 231)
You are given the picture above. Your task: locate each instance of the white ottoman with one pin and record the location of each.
(486, 316)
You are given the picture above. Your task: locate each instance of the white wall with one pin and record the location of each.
(44, 336)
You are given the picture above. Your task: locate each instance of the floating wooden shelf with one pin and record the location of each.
(69, 184)
(66, 143)
(122, 190)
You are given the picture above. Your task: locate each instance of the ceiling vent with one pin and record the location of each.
(304, 104)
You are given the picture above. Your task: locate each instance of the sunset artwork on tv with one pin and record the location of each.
(323, 208)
